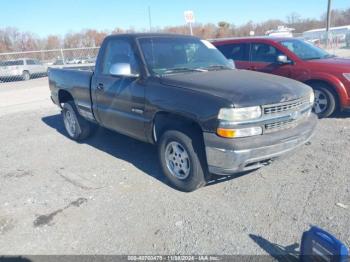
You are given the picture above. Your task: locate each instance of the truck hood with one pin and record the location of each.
(241, 87)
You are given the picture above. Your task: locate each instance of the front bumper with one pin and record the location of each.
(229, 156)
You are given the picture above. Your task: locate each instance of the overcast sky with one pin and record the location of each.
(44, 17)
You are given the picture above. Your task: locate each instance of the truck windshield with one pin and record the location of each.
(170, 55)
(305, 50)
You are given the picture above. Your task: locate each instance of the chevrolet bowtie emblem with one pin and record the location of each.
(295, 115)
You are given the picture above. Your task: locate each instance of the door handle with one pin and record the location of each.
(100, 86)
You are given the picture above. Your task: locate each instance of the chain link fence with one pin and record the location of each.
(17, 66)
(332, 42)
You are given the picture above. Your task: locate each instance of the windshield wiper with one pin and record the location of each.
(217, 67)
(183, 69)
(313, 58)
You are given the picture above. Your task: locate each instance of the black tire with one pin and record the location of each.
(25, 76)
(324, 93)
(81, 128)
(196, 177)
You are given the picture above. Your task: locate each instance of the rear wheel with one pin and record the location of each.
(77, 127)
(325, 100)
(181, 158)
(25, 76)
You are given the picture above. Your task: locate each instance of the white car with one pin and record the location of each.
(23, 68)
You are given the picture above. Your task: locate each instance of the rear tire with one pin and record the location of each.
(182, 160)
(25, 76)
(325, 100)
(77, 127)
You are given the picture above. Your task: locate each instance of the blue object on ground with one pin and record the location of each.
(319, 245)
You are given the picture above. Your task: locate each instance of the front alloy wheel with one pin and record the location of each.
(325, 100)
(177, 160)
(321, 102)
(182, 159)
(25, 76)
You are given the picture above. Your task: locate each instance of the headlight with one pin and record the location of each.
(239, 132)
(347, 76)
(312, 97)
(239, 114)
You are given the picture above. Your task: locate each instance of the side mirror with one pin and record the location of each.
(232, 63)
(283, 59)
(122, 69)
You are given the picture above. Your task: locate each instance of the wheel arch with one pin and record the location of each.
(334, 85)
(164, 121)
(330, 86)
(64, 96)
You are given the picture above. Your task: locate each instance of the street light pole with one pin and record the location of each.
(329, 8)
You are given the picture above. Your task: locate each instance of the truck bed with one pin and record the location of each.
(75, 82)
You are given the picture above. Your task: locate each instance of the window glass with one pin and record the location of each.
(264, 53)
(30, 62)
(13, 63)
(165, 55)
(305, 50)
(119, 51)
(236, 52)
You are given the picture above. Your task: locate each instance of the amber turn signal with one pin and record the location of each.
(240, 132)
(227, 133)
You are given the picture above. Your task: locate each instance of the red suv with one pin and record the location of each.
(328, 75)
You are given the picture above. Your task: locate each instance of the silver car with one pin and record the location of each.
(23, 68)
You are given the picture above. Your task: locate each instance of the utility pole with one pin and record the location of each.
(189, 18)
(329, 9)
(149, 18)
(191, 30)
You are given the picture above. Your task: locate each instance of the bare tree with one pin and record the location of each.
(11, 39)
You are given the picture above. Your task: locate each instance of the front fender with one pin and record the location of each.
(336, 83)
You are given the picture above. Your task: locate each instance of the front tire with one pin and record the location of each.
(325, 100)
(181, 159)
(77, 127)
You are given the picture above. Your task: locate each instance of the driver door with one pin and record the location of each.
(120, 99)
(264, 59)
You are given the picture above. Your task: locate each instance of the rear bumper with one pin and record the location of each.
(229, 156)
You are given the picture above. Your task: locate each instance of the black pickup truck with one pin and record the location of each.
(182, 94)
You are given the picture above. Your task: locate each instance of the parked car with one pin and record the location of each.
(21, 69)
(328, 75)
(348, 40)
(181, 94)
(60, 63)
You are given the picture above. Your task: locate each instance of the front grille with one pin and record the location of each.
(277, 126)
(287, 106)
(292, 112)
(285, 124)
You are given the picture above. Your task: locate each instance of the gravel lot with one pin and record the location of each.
(107, 195)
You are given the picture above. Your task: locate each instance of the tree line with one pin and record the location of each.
(13, 40)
